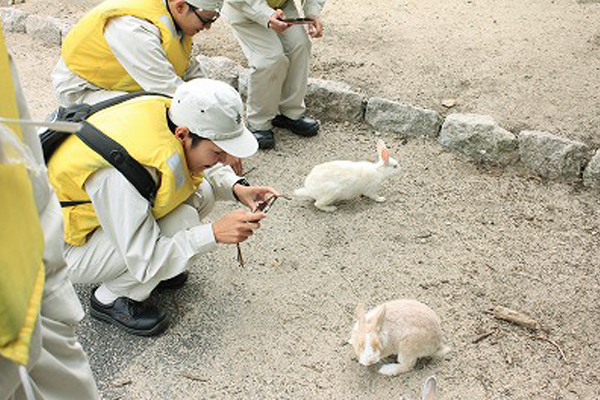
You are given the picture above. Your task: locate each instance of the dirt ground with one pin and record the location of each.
(459, 237)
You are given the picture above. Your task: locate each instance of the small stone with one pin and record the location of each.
(449, 102)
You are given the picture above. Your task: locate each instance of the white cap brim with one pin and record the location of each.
(241, 146)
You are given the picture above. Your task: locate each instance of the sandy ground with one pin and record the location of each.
(459, 237)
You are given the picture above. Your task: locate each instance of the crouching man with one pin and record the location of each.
(125, 243)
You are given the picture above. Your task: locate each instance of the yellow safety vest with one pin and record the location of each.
(140, 126)
(22, 249)
(87, 53)
(275, 4)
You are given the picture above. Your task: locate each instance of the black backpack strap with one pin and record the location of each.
(73, 203)
(119, 158)
(110, 150)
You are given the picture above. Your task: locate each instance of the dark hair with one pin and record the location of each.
(196, 139)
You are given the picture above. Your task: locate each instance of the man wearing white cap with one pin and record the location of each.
(278, 53)
(129, 45)
(129, 245)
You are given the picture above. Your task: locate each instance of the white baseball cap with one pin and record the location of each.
(213, 110)
(207, 5)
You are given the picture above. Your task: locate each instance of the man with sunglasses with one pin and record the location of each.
(278, 53)
(124, 46)
(129, 45)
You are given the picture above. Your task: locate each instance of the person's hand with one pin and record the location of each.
(276, 23)
(315, 29)
(235, 163)
(236, 226)
(251, 195)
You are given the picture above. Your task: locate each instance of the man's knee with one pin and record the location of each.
(181, 218)
(273, 63)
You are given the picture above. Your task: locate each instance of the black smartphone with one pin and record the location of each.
(266, 205)
(297, 20)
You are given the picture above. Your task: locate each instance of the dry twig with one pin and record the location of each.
(484, 335)
(515, 317)
(552, 342)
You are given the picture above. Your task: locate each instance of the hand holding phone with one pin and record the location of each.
(266, 205)
(297, 21)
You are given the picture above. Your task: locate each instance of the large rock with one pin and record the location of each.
(393, 117)
(479, 138)
(220, 68)
(47, 29)
(552, 156)
(591, 173)
(13, 20)
(334, 101)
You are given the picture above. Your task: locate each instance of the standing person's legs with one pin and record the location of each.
(268, 64)
(297, 48)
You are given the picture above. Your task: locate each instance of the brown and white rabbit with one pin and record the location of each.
(406, 328)
(333, 181)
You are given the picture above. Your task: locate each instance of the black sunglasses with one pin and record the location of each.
(205, 21)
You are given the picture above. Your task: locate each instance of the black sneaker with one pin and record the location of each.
(175, 282)
(134, 317)
(302, 126)
(265, 138)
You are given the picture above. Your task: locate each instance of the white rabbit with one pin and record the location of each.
(405, 328)
(343, 180)
(429, 391)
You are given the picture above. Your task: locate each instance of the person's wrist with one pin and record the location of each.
(243, 182)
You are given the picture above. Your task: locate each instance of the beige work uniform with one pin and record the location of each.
(58, 367)
(279, 62)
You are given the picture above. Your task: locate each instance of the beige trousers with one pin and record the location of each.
(99, 261)
(279, 66)
(59, 368)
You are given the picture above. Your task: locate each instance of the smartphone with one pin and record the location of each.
(265, 206)
(297, 20)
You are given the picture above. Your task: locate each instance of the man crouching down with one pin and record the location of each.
(130, 246)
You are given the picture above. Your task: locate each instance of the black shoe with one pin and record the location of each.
(265, 139)
(175, 282)
(302, 126)
(134, 317)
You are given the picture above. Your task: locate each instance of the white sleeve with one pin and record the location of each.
(257, 10)
(127, 220)
(136, 43)
(222, 178)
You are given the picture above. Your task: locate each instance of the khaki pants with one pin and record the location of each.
(99, 261)
(279, 67)
(58, 367)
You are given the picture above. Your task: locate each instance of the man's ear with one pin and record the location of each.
(182, 133)
(177, 6)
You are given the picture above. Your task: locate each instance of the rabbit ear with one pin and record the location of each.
(429, 388)
(378, 318)
(383, 151)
